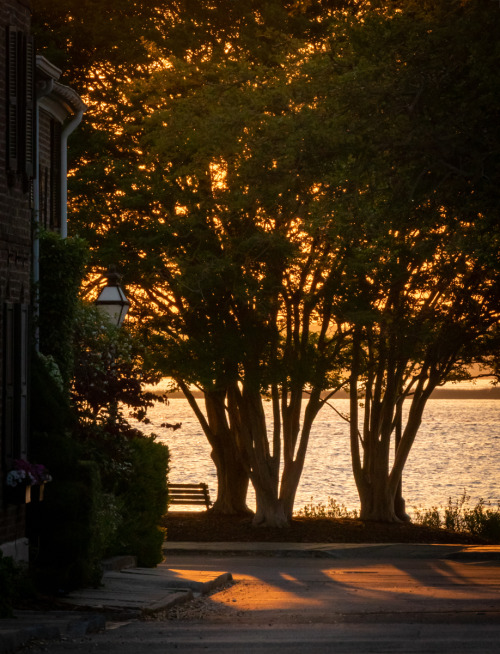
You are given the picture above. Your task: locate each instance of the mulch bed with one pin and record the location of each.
(206, 526)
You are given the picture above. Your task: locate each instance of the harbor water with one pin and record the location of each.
(457, 449)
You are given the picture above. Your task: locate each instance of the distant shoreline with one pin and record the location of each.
(479, 394)
(438, 394)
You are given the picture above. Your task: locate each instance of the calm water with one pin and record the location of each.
(457, 449)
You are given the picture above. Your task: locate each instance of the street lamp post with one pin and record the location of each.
(112, 300)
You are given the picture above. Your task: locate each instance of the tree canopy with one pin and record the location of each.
(416, 142)
(234, 272)
(302, 198)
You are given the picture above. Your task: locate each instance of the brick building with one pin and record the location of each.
(37, 114)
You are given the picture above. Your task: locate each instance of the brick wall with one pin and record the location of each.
(15, 242)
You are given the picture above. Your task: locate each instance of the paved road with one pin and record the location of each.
(310, 605)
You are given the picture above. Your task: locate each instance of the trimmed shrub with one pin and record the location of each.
(143, 497)
(62, 264)
(113, 501)
(67, 545)
(49, 404)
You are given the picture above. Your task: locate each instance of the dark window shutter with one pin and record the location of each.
(29, 130)
(21, 137)
(13, 115)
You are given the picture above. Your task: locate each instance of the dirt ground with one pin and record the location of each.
(205, 526)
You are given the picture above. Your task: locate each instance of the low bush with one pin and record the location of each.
(58, 297)
(143, 497)
(483, 519)
(109, 491)
(427, 517)
(67, 543)
(332, 509)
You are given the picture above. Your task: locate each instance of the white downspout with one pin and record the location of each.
(66, 131)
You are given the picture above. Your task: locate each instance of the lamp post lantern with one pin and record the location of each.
(112, 300)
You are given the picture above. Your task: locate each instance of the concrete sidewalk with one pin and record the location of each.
(340, 550)
(128, 592)
(135, 592)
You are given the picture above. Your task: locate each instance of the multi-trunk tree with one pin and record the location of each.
(241, 268)
(417, 142)
(102, 49)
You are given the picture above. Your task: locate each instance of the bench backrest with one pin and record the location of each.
(189, 494)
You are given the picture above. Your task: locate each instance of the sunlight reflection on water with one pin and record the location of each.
(457, 449)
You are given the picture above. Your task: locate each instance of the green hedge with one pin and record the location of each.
(67, 548)
(143, 497)
(88, 512)
(62, 264)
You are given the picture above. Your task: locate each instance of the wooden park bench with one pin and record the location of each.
(189, 494)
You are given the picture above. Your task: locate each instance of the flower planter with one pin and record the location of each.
(18, 494)
(37, 492)
(26, 481)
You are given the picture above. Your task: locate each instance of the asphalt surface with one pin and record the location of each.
(285, 598)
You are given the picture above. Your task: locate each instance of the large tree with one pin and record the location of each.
(416, 134)
(196, 42)
(240, 265)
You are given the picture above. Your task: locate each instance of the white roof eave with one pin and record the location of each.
(59, 101)
(46, 69)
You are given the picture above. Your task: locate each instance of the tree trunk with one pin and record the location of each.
(232, 473)
(379, 487)
(263, 454)
(377, 502)
(247, 417)
(294, 456)
(270, 509)
(288, 487)
(232, 482)
(399, 502)
(400, 506)
(377, 491)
